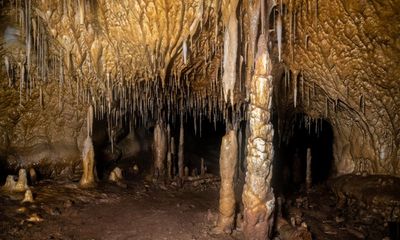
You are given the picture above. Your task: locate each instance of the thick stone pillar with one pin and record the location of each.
(227, 163)
(258, 198)
(160, 150)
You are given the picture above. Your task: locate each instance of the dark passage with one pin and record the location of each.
(291, 157)
(203, 140)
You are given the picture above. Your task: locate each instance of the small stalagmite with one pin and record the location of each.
(22, 184)
(202, 168)
(28, 198)
(160, 150)
(88, 163)
(116, 175)
(258, 197)
(10, 183)
(227, 161)
(32, 176)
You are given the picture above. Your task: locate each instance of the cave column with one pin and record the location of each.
(227, 162)
(258, 198)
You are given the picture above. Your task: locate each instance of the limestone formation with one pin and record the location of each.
(88, 164)
(10, 183)
(116, 175)
(22, 183)
(227, 201)
(32, 176)
(308, 170)
(28, 197)
(160, 150)
(258, 197)
(181, 156)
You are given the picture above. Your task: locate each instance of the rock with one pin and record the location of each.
(116, 175)
(358, 234)
(34, 217)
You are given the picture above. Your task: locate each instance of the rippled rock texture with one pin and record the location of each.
(342, 61)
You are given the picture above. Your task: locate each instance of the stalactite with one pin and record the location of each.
(184, 52)
(295, 90)
(90, 121)
(316, 13)
(279, 34)
(262, 10)
(81, 6)
(40, 97)
(230, 54)
(326, 107)
(7, 65)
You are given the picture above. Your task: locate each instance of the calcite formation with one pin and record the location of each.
(258, 197)
(346, 56)
(88, 163)
(227, 201)
(67, 65)
(160, 150)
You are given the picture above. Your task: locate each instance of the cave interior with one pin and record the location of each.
(158, 119)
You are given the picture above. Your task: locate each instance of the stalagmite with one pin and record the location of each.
(32, 176)
(28, 197)
(22, 184)
(230, 53)
(116, 175)
(258, 197)
(10, 183)
(227, 162)
(181, 149)
(88, 163)
(202, 167)
(160, 150)
(308, 170)
(169, 154)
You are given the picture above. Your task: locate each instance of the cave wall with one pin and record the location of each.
(340, 60)
(343, 57)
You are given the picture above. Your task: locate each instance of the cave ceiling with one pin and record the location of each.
(157, 58)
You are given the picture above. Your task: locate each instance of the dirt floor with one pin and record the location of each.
(140, 211)
(144, 210)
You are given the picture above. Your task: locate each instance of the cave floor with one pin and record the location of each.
(140, 211)
(143, 210)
